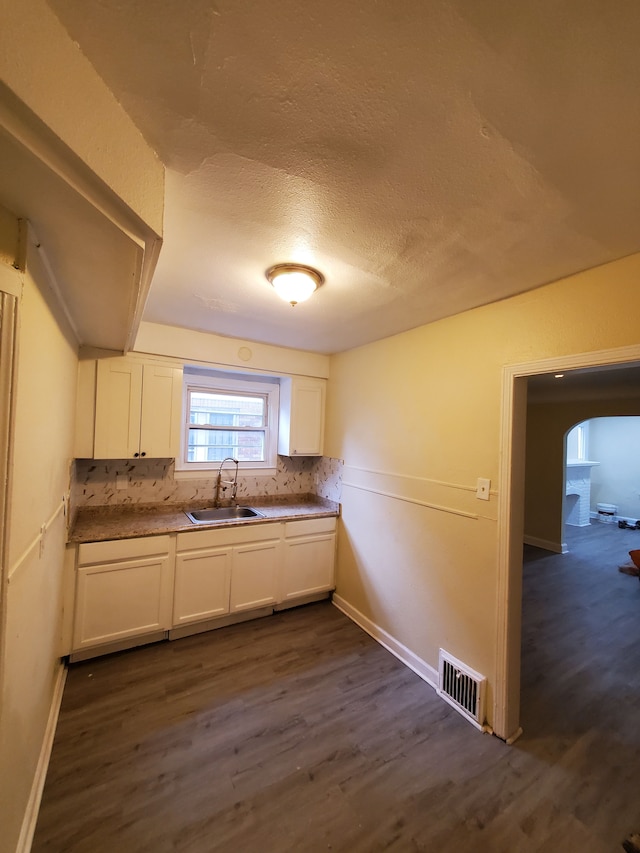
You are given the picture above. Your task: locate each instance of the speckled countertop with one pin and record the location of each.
(97, 524)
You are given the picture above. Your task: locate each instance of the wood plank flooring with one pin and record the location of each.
(300, 733)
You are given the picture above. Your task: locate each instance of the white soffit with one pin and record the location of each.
(95, 264)
(99, 254)
(427, 157)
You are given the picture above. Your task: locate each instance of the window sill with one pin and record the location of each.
(212, 473)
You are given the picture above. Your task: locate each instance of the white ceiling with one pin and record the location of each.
(427, 156)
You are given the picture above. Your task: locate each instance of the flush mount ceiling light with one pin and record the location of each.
(294, 282)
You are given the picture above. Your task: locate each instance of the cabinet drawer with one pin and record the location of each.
(309, 526)
(213, 538)
(122, 549)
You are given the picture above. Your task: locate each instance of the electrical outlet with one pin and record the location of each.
(122, 481)
(482, 489)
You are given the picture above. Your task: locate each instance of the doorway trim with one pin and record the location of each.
(510, 528)
(10, 290)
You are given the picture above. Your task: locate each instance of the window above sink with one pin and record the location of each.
(228, 415)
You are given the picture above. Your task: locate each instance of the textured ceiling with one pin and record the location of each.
(426, 156)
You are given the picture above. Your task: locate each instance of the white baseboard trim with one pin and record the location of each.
(514, 737)
(405, 655)
(630, 519)
(556, 547)
(33, 806)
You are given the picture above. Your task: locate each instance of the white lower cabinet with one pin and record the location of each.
(226, 571)
(202, 583)
(254, 575)
(308, 559)
(129, 591)
(123, 590)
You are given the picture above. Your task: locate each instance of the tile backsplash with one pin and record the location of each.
(95, 482)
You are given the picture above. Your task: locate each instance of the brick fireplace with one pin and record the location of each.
(577, 502)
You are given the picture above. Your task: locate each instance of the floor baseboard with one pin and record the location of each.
(406, 656)
(547, 544)
(37, 787)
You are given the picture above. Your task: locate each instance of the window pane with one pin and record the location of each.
(216, 408)
(207, 445)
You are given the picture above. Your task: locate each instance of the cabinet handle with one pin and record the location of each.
(143, 453)
(136, 455)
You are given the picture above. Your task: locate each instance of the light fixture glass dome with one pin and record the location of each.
(294, 282)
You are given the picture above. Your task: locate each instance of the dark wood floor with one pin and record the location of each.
(300, 733)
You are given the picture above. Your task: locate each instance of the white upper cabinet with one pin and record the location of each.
(301, 428)
(138, 409)
(161, 418)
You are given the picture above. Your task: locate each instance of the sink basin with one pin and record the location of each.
(222, 513)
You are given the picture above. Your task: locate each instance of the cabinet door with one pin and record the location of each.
(301, 430)
(307, 422)
(118, 409)
(161, 411)
(122, 599)
(254, 575)
(202, 585)
(308, 566)
(308, 418)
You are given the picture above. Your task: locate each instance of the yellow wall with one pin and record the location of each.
(420, 412)
(547, 424)
(44, 408)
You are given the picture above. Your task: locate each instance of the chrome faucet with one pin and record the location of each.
(221, 485)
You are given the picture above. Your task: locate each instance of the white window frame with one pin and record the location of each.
(579, 435)
(214, 380)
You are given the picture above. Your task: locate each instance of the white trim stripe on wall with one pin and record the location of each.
(453, 498)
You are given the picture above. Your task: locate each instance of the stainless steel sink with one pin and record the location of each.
(222, 513)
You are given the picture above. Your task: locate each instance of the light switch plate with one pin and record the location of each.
(482, 489)
(122, 481)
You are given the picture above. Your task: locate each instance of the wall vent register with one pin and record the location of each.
(462, 688)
